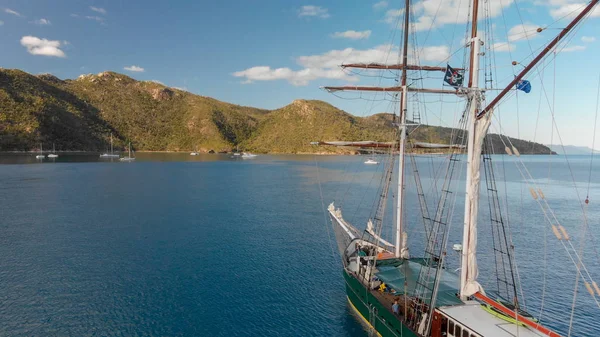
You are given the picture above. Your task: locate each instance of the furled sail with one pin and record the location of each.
(371, 231)
(344, 232)
(471, 271)
(437, 146)
(364, 143)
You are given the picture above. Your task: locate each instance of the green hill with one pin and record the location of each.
(80, 115)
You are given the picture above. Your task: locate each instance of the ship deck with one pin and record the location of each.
(471, 315)
(395, 272)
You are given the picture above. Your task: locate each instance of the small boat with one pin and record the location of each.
(371, 161)
(53, 154)
(128, 158)
(248, 155)
(111, 154)
(41, 155)
(194, 154)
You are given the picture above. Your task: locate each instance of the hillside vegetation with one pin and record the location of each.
(81, 114)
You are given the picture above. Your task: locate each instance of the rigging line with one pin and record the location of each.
(581, 247)
(379, 191)
(546, 209)
(507, 235)
(323, 207)
(493, 65)
(531, 181)
(555, 125)
(537, 120)
(432, 23)
(593, 143)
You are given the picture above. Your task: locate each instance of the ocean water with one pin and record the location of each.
(173, 245)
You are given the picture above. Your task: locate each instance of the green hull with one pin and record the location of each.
(381, 319)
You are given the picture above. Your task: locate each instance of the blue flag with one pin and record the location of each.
(524, 85)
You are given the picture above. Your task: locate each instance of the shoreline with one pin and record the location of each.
(77, 152)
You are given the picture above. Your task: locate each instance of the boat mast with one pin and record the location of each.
(479, 122)
(468, 271)
(111, 146)
(402, 129)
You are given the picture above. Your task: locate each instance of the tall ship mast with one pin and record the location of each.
(397, 294)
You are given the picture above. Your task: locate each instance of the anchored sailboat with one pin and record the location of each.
(53, 154)
(111, 154)
(401, 295)
(129, 157)
(41, 155)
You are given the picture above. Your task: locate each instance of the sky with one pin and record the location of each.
(267, 53)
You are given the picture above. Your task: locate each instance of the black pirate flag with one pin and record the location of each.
(453, 77)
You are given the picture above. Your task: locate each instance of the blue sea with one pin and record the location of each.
(174, 245)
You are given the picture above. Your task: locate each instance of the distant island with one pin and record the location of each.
(81, 114)
(571, 149)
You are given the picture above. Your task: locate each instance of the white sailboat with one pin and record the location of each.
(111, 154)
(371, 161)
(195, 153)
(129, 157)
(41, 155)
(400, 295)
(248, 155)
(53, 154)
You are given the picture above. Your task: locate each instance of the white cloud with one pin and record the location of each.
(503, 46)
(10, 11)
(326, 65)
(95, 18)
(42, 22)
(352, 34)
(380, 5)
(392, 15)
(135, 69)
(588, 39)
(568, 9)
(572, 48)
(314, 11)
(436, 13)
(301, 77)
(522, 32)
(98, 9)
(37, 46)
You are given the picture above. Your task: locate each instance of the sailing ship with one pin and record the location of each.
(111, 154)
(53, 154)
(41, 155)
(397, 294)
(129, 157)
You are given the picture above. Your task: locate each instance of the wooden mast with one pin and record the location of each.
(402, 129)
(538, 58)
